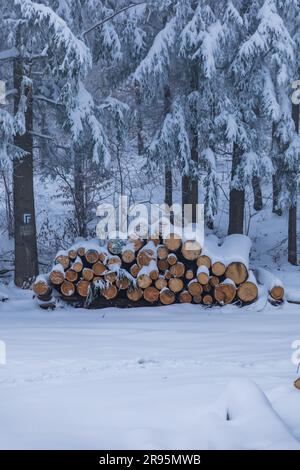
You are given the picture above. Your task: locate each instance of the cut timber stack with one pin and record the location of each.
(156, 272)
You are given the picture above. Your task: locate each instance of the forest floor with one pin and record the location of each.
(152, 378)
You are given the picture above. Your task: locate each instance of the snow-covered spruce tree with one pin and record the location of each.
(200, 43)
(251, 38)
(153, 76)
(45, 42)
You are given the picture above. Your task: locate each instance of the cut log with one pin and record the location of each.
(134, 293)
(248, 291)
(71, 275)
(57, 275)
(41, 286)
(207, 299)
(166, 296)
(77, 266)
(168, 274)
(151, 294)
(144, 280)
(203, 275)
(185, 297)
(81, 251)
(72, 253)
(115, 247)
(172, 259)
(128, 253)
(197, 299)
(214, 281)
(189, 275)
(87, 274)
(98, 268)
(138, 243)
(134, 270)
(110, 292)
(175, 285)
(67, 289)
(162, 252)
(191, 250)
(177, 270)
(83, 288)
(172, 242)
(194, 288)
(236, 249)
(91, 256)
(297, 383)
(225, 292)
(271, 282)
(113, 261)
(160, 283)
(123, 283)
(162, 264)
(63, 259)
(237, 272)
(110, 276)
(218, 268)
(146, 254)
(204, 260)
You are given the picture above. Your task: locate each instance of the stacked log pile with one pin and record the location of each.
(154, 272)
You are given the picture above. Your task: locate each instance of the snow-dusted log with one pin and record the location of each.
(57, 275)
(41, 286)
(166, 296)
(203, 275)
(194, 288)
(185, 297)
(248, 291)
(147, 254)
(175, 284)
(236, 251)
(225, 292)
(67, 289)
(271, 282)
(212, 252)
(151, 294)
(134, 293)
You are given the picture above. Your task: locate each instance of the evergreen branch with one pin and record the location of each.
(108, 18)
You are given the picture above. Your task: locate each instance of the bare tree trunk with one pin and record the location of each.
(292, 233)
(168, 168)
(236, 198)
(139, 119)
(8, 202)
(79, 194)
(276, 209)
(190, 182)
(257, 193)
(26, 258)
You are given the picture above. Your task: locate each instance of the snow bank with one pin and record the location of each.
(251, 418)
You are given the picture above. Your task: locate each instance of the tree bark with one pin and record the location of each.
(236, 198)
(257, 193)
(292, 232)
(80, 195)
(26, 258)
(190, 182)
(168, 168)
(139, 119)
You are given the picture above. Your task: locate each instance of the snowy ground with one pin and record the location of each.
(148, 378)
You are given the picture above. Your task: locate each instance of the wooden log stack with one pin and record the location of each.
(129, 273)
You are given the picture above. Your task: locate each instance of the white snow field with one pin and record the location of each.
(148, 378)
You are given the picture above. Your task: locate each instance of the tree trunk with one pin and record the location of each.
(79, 195)
(139, 119)
(276, 209)
(26, 258)
(236, 198)
(292, 232)
(257, 193)
(190, 182)
(168, 168)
